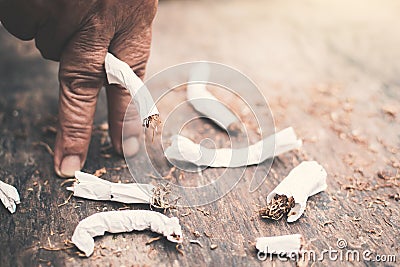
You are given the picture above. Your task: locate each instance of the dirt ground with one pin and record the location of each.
(328, 69)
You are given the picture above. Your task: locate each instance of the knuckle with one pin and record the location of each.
(76, 130)
(75, 136)
(76, 95)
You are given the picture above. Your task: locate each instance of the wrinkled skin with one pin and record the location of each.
(78, 34)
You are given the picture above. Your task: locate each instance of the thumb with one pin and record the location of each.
(81, 76)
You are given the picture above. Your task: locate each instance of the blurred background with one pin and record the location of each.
(285, 47)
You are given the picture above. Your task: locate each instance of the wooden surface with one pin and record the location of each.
(330, 70)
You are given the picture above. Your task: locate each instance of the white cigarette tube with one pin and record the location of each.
(119, 72)
(284, 244)
(206, 103)
(183, 149)
(91, 187)
(305, 180)
(124, 221)
(9, 196)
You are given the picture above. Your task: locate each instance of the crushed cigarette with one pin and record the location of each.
(119, 72)
(280, 205)
(91, 187)
(183, 149)
(305, 180)
(206, 103)
(285, 244)
(124, 221)
(9, 196)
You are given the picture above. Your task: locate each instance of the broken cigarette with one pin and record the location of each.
(280, 205)
(183, 149)
(290, 196)
(124, 221)
(119, 72)
(9, 196)
(285, 244)
(206, 103)
(91, 187)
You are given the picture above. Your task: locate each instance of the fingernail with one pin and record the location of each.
(131, 147)
(69, 165)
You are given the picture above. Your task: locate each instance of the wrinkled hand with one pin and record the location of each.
(79, 34)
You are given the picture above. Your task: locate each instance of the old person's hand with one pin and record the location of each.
(79, 34)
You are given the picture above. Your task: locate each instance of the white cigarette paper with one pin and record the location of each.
(119, 72)
(305, 180)
(91, 187)
(285, 244)
(206, 103)
(9, 196)
(124, 221)
(184, 150)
